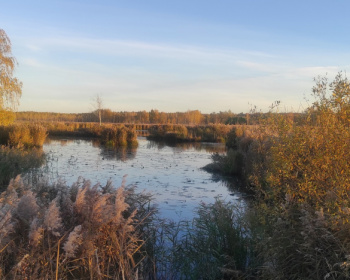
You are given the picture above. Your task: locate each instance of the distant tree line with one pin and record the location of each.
(194, 117)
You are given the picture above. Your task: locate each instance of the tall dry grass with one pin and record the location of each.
(77, 232)
(300, 174)
(111, 135)
(180, 133)
(23, 135)
(119, 136)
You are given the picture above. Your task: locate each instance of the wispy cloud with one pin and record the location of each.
(33, 47)
(130, 47)
(312, 72)
(261, 67)
(31, 62)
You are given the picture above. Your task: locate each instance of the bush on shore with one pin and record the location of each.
(23, 136)
(300, 174)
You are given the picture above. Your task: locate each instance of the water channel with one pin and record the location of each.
(172, 174)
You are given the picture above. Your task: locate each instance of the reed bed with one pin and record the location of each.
(85, 231)
(117, 136)
(78, 232)
(215, 245)
(182, 133)
(23, 135)
(111, 135)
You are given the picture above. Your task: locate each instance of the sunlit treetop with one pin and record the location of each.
(10, 87)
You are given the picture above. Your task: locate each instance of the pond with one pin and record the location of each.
(172, 174)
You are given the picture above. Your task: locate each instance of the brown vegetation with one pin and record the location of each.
(110, 134)
(182, 133)
(77, 232)
(299, 173)
(194, 117)
(22, 135)
(10, 87)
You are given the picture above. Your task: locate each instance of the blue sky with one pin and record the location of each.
(174, 55)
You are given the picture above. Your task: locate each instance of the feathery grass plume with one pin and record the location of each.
(6, 224)
(98, 246)
(8, 203)
(52, 219)
(73, 242)
(17, 184)
(80, 198)
(27, 207)
(120, 205)
(102, 210)
(36, 233)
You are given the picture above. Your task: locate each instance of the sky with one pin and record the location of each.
(174, 55)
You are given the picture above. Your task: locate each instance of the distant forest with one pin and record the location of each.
(152, 117)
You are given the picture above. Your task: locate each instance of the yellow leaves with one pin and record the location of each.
(10, 88)
(6, 117)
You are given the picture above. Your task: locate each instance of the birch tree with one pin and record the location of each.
(10, 87)
(97, 103)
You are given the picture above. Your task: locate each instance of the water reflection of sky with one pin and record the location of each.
(172, 174)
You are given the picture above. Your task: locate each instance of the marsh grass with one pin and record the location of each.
(77, 232)
(119, 136)
(73, 129)
(215, 245)
(23, 135)
(110, 135)
(181, 133)
(18, 161)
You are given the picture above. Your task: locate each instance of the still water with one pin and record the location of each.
(172, 174)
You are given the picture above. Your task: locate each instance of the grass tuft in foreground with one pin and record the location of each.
(77, 232)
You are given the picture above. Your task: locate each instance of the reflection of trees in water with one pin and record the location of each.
(142, 133)
(120, 153)
(123, 153)
(198, 146)
(156, 144)
(233, 183)
(96, 143)
(63, 142)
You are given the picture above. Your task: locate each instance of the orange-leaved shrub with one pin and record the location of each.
(300, 173)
